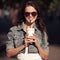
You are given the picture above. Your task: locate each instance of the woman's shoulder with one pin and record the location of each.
(15, 28)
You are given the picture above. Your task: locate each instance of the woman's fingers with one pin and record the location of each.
(30, 39)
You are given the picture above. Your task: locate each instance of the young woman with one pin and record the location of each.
(30, 16)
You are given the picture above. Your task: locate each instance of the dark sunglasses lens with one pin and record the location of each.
(27, 14)
(34, 14)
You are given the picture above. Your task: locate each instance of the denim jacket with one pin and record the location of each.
(16, 37)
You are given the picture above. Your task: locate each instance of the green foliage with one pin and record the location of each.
(47, 5)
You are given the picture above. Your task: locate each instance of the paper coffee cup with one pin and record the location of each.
(30, 31)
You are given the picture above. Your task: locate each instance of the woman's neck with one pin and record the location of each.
(28, 26)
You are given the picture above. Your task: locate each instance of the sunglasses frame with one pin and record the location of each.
(32, 13)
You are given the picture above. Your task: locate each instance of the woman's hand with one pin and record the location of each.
(28, 40)
(31, 39)
(35, 40)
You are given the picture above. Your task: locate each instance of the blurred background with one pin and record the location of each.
(6, 5)
(8, 17)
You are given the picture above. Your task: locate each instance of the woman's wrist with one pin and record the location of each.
(23, 46)
(38, 46)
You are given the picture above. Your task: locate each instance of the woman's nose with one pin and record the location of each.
(30, 15)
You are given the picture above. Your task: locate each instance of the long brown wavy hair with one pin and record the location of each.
(39, 22)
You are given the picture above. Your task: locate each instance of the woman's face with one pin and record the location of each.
(30, 14)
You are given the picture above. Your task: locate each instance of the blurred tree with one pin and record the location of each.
(53, 6)
(46, 4)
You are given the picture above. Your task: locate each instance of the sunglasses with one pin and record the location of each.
(32, 13)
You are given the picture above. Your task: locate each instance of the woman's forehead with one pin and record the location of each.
(30, 8)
